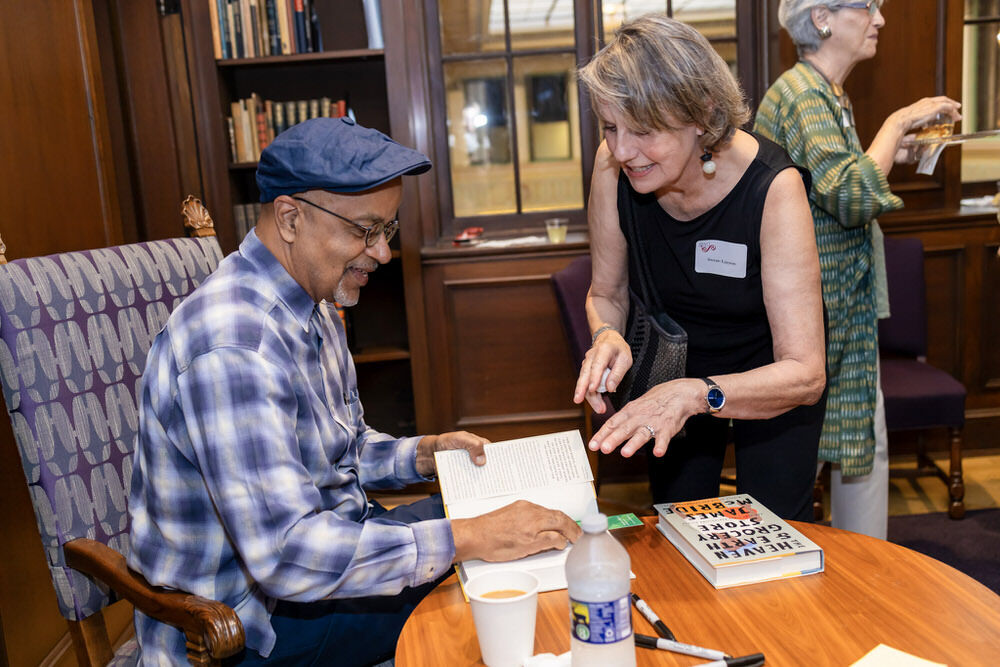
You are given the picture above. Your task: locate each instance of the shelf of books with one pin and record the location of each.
(268, 65)
(265, 29)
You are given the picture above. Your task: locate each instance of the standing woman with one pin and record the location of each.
(727, 235)
(807, 112)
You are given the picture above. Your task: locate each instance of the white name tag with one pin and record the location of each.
(721, 258)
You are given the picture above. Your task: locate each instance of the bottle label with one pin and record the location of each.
(601, 622)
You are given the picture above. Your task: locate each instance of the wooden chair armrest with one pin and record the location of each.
(217, 624)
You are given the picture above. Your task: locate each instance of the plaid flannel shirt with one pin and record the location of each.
(251, 457)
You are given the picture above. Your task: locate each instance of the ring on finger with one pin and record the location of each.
(652, 433)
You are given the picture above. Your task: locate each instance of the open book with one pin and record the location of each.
(549, 470)
(735, 540)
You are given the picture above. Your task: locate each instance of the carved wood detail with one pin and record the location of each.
(206, 623)
(197, 220)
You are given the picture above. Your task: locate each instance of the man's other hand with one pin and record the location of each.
(429, 444)
(514, 531)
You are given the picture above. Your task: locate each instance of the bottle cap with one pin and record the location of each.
(594, 523)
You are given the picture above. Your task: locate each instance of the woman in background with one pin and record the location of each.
(807, 112)
(727, 234)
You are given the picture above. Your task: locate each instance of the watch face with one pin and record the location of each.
(716, 399)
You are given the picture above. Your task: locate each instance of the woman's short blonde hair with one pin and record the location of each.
(657, 70)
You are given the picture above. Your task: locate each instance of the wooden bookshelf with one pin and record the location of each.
(262, 61)
(351, 71)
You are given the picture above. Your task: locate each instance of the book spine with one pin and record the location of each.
(265, 36)
(313, 108)
(254, 132)
(307, 22)
(254, 26)
(249, 33)
(302, 111)
(262, 139)
(225, 23)
(249, 134)
(324, 107)
(290, 18)
(281, 11)
(290, 118)
(230, 128)
(237, 120)
(237, 23)
(316, 32)
(213, 17)
(300, 27)
(272, 28)
(269, 120)
(373, 23)
(279, 118)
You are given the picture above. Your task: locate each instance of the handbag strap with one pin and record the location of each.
(649, 296)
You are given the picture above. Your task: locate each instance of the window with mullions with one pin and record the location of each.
(981, 91)
(511, 109)
(715, 19)
(514, 142)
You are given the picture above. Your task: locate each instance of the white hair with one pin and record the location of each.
(795, 16)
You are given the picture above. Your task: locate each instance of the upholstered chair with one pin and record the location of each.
(74, 332)
(918, 395)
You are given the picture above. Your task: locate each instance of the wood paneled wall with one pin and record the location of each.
(59, 192)
(503, 368)
(89, 123)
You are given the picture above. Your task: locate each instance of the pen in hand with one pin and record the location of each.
(647, 611)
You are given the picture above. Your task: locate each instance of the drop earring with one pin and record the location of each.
(707, 163)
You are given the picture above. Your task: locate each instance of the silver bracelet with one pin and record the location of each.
(600, 330)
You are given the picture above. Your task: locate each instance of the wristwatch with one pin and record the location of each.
(715, 398)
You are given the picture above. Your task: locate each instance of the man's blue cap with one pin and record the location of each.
(334, 154)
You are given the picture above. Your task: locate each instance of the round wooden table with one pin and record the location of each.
(872, 592)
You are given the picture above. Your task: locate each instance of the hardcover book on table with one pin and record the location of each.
(550, 470)
(735, 540)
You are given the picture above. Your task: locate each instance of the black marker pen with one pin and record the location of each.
(647, 611)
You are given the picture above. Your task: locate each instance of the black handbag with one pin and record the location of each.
(658, 343)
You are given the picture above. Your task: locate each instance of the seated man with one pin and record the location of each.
(253, 455)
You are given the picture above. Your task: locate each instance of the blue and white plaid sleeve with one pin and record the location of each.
(258, 457)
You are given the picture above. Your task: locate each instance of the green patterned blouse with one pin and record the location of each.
(802, 114)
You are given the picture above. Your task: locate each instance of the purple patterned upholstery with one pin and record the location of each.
(74, 332)
(917, 395)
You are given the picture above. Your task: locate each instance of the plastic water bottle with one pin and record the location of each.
(597, 572)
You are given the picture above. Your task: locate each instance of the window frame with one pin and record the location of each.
(755, 57)
(971, 189)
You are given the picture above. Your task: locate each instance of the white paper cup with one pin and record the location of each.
(505, 626)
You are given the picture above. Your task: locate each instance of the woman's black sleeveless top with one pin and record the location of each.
(721, 310)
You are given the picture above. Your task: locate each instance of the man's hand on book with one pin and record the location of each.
(514, 531)
(454, 440)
